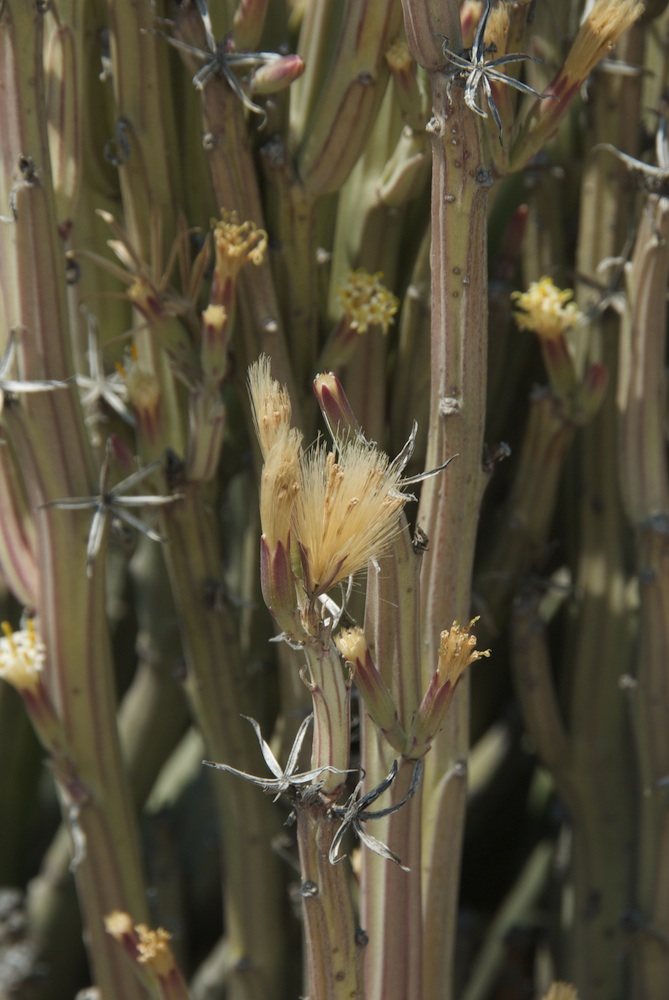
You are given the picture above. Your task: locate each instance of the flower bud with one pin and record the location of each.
(378, 700)
(277, 74)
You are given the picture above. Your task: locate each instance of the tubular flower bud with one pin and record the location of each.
(379, 702)
(335, 407)
(214, 351)
(457, 650)
(277, 74)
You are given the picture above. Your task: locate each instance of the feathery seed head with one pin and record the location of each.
(270, 404)
(345, 513)
(600, 30)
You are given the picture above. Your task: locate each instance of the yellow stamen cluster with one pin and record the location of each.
(237, 243)
(546, 310)
(601, 29)
(457, 650)
(153, 950)
(366, 301)
(352, 644)
(22, 657)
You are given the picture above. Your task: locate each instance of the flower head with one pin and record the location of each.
(235, 245)
(150, 952)
(346, 511)
(270, 404)
(546, 310)
(22, 657)
(366, 301)
(457, 650)
(600, 30)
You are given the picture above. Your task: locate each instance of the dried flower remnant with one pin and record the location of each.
(366, 301)
(476, 71)
(97, 387)
(355, 813)
(286, 781)
(113, 502)
(546, 310)
(14, 387)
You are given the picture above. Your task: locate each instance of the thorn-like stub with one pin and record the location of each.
(449, 406)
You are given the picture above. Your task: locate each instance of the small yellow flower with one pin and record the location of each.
(366, 301)
(22, 657)
(546, 310)
(457, 650)
(237, 243)
(153, 950)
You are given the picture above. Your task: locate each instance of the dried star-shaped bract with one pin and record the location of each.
(16, 387)
(221, 60)
(355, 813)
(284, 781)
(97, 386)
(477, 70)
(114, 503)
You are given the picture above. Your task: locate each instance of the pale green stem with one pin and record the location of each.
(333, 943)
(218, 695)
(49, 434)
(330, 689)
(391, 899)
(235, 184)
(642, 397)
(450, 502)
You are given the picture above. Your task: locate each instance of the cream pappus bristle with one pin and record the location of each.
(346, 512)
(280, 485)
(270, 403)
